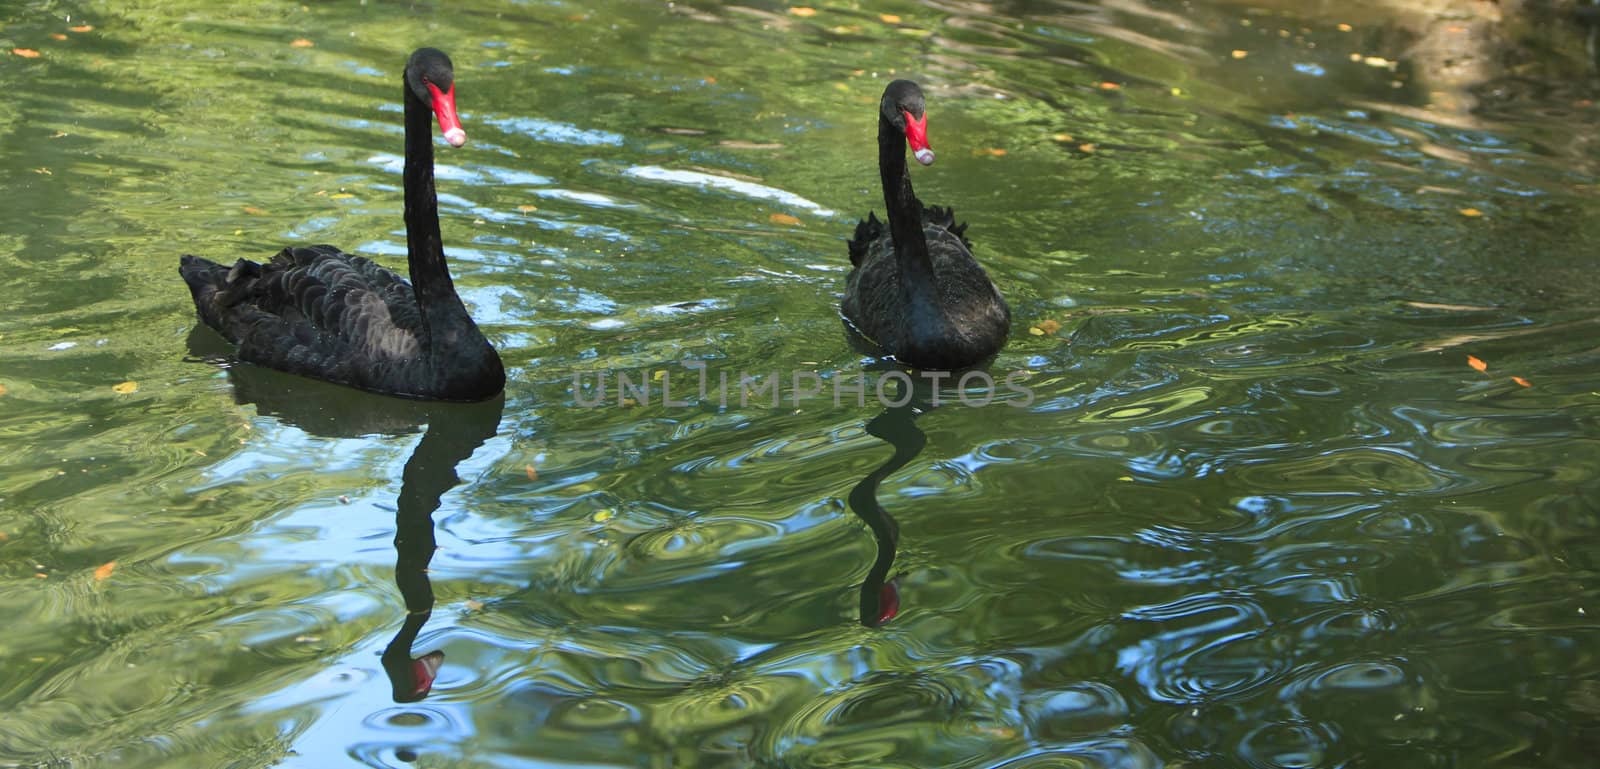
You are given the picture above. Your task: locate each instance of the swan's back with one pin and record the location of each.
(965, 322)
(319, 312)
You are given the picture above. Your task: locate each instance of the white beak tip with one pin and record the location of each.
(924, 157)
(456, 137)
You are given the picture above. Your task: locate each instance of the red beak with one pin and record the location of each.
(917, 137)
(888, 603)
(444, 105)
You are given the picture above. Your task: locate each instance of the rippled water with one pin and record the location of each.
(1249, 505)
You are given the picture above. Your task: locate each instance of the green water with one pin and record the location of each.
(1250, 506)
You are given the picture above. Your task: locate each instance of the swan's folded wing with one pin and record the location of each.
(945, 218)
(868, 231)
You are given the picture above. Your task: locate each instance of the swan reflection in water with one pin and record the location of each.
(896, 426)
(454, 431)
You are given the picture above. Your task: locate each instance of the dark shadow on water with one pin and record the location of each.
(454, 431)
(896, 426)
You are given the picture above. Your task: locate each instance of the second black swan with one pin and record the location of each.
(319, 312)
(915, 290)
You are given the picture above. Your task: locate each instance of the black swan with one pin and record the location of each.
(915, 291)
(319, 312)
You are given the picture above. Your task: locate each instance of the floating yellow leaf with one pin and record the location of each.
(1063, 138)
(1471, 212)
(341, 196)
(889, 18)
(1345, 27)
(40, 575)
(4, 536)
(994, 152)
(601, 516)
(2, 389)
(784, 219)
(1176, 91)
(474, 605)
(1036, 331)
(104, 571)
(1238, 54)
(26, 53)
(125, 388)
(533, 472)
(1086, 148)
(803, 11)
(1521, 381)
(1110, 86)
(1476, 364)
(1049, 326)
(81, 28)
(57, 36)
(526, 207)
(253, 211)
(301, 43)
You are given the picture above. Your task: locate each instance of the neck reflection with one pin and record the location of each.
(896, 426)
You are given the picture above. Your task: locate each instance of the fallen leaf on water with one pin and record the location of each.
(533, 472)
(803, 11)
(994, 152)
(1063, 138)
(81, 28)
(474, 605)
(784, 219)
(1176, 91)
(3, 536)
(1036, 331)
(1110, 86)
(104, 571)
(1521, 381)
(57, 36)
(341, 196)
(526, 207)
(1049, 326)
(26, 53)
(301, 43)
(41, 575)
(709, 80)
(253, 211)
(125, 388)
(1476, 364)
(1086, 148)
(1345, 27)
(889, 18)
(1471, 212)
(2, 389)
(601, 516)
(44, 172)
(1238, 54)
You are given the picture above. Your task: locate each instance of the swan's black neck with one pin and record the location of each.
(430, 277)
(904, 210)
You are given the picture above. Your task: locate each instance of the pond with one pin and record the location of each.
(1291, 458)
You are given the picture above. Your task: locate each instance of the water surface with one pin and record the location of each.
(1252, 505)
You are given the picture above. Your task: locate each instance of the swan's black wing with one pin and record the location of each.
(945, 218)
(312, 310)
(873, 234)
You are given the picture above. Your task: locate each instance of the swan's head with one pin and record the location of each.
(903, 107)
(432, 79)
